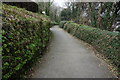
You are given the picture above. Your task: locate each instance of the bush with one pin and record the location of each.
(62, 24)
(24, 35)
(54, 23)
(103, 41)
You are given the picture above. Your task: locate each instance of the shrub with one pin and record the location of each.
(54, 23)
(24, 35)
(62, 24)
(106, 42)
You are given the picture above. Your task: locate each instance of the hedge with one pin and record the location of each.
(61, 25)
(54, 23)
(24, 35)
(105, 42)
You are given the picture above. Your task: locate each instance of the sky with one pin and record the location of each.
(59, 3)
(56, 2)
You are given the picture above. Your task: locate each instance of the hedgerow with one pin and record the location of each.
(62, 24)
(106, 42)
(24, 35)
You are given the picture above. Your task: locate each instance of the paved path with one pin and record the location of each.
(70, 58)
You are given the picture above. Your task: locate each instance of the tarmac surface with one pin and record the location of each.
(69, 57)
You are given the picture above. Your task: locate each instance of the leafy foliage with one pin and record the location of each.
(97, 14)
(105, 42)
(24, 35)
(62, 24)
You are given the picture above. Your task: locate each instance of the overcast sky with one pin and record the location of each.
(56, 2)
(59, 3)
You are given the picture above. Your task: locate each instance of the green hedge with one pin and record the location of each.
(62, 24)
(24, 35)
(106, 42)
(54, 23)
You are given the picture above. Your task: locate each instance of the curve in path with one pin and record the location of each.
(70, 58)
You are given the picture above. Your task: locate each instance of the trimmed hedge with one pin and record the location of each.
(62, 24)
(24, 35)
(54, 23)
(105, 42)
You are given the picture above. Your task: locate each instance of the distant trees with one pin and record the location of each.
(55, 13)
(45, 6)
(96, 14)
(50, 10)
(65, 14)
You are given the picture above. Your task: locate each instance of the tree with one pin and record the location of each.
(96, 14)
